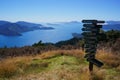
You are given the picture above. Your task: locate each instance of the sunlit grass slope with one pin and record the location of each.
(60, 65)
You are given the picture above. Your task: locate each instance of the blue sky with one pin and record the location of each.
(59, 10)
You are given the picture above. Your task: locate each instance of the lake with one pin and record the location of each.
(61, 32)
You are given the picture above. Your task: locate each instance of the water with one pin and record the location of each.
(61, 32)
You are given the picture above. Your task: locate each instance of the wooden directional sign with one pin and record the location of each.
(90, 29)
(89, 21)
(89, 56)
(99, 26)
(90, 38)
(93, 47)
(92, 51)
(89, 25)
(91, 42)
(95, 62)
(86, 39)
(90, 35)
(92, 21)
(89, 45)
(91, 32)
(92, 26)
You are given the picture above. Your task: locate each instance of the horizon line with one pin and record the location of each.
(53, 21)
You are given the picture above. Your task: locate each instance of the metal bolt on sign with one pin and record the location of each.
(91, 31)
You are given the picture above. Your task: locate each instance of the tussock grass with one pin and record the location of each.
(7, 69)
(51, 54)
(60, 65)
(111, 60)
(11, 66)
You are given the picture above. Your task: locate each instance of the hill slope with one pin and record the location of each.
(59, 65)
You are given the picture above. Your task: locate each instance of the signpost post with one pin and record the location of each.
(91, 32)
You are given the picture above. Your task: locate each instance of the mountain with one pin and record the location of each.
(10, 29)
(3, 22)
(23, 23)
(113, 22)
(15, 29)
(111, 26)
(33, 25)
(115, 25)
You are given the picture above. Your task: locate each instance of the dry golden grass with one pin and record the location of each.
(17, 66)
(75, 53)
(11, 66)
(59, 74)
(110, 59)
(7, 69)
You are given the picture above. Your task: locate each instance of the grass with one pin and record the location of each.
(60, 65)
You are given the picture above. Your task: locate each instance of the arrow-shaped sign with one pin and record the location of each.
(89, 49)
(90, 29)
(95, 62)
(91, 38)
(89, 34)
(90, 41)
(89, 21)
(92, 51)
(92, 26)
(92, 21)
(89, 45)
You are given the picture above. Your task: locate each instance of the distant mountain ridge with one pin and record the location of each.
(3, 22)
(113, 22)
(15, 29)
(115, 25)
(109, 25)
(29, 24)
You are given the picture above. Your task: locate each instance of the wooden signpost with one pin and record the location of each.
(91, 32)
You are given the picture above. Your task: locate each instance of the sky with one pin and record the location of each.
(59, 10)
